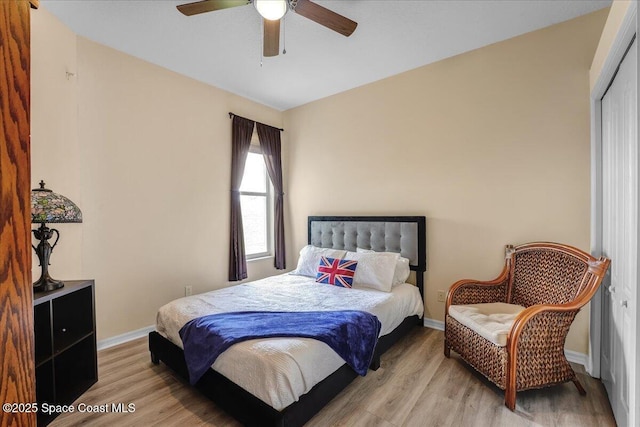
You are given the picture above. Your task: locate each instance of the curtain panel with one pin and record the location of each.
(270, 144)
(241, 131)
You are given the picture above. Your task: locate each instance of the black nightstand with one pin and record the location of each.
(65, 344)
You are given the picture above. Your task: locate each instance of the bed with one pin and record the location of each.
(285, 381)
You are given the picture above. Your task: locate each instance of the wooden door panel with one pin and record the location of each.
(17, 383)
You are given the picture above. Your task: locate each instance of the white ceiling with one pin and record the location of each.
(223, 48)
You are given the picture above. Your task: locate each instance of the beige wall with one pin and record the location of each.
(615, 18)
(145, 153)
(492, 146)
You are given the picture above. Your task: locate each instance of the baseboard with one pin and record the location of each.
(572, 356)
(126, 337)
(575, 357)
(433, 324)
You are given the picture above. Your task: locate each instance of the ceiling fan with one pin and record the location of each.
(272, 11)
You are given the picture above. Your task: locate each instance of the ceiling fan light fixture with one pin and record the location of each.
(271, 9)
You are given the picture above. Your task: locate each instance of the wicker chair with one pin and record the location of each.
(520, 348)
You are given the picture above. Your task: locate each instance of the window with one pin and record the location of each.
(255, 199)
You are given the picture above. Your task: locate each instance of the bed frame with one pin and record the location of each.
(403, 234)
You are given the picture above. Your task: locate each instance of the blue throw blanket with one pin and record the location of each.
(351, 334)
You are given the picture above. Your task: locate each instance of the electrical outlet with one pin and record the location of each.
(188, 290)
(441, 295)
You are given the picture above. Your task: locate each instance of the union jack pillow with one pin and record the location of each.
(337, 272)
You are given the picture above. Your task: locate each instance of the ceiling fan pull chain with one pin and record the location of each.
(261, 40)
(293, 4)
(284, 36)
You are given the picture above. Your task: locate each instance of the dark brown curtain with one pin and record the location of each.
(270, 143)
(241, 131)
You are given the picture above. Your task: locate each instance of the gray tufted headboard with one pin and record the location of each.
(403, 234)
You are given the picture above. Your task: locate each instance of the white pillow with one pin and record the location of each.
(310, 258)
(402, 269)
(375, 269)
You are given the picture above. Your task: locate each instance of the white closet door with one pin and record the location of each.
(620, 236)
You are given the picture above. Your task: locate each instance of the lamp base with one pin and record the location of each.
(45, 284)
(44, 249)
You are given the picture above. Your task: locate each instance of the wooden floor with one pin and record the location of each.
(415, 386)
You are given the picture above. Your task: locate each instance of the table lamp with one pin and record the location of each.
(49, 207)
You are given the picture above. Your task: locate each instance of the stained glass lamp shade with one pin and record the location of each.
(49, 207)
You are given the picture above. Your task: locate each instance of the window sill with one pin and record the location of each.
(260, 258)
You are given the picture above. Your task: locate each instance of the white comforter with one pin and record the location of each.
(280, 370)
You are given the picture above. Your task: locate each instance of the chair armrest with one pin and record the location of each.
(540, 326)
(469, 291)
(524, 320)
(538, 334)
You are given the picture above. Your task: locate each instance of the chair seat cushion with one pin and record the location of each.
(491, 321)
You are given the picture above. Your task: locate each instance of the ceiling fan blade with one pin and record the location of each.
(326, 17)
(209, 6)
(271, 37)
